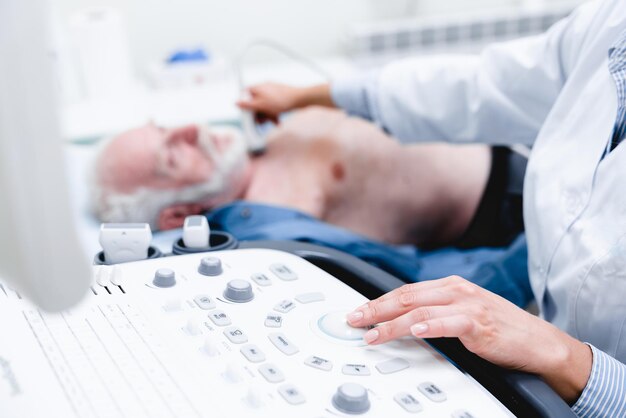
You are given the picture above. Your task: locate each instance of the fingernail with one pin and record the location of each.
(355, 316)
(418, 329)
(371, 336)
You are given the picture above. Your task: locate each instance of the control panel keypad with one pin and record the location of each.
(291, 394)
(285, 306)
(204, 302)
(319, 363)
(219, 318)
(432, 392)
(271, 373)
(281, 342)
(408, 402)
(235, 335)
(273, 320)
(235, 300)
(356, 370)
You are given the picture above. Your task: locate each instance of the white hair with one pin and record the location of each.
(145, 204)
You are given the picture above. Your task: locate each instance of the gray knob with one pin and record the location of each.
(164, 278)
(351, 398)
(210, 266)
(239, 291)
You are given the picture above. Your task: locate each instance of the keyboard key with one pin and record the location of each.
(271, 373)
(319, 363)
(283, 344)
(291, 394)
(285, 306)
(204, 302)
(283, 272)
(408, 402)
(261, 279)
(236, 335)
(273, 320)
(392, 366)
(310, 297)
(355, 370)
(219, 318)
(253, 353)
(432, 392)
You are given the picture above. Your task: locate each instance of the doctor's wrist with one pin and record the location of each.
(569, 369)
(318, 95)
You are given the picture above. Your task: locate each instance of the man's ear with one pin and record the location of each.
(174, 216)
(188, 134)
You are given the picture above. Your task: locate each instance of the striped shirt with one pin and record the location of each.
(605, 393)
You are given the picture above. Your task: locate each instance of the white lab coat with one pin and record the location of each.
(555, 93)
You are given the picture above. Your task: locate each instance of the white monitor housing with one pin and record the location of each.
(40, 254)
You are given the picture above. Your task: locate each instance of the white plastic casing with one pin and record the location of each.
(196, 232)
(125, 242)
(39, 249)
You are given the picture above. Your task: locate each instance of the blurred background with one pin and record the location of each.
(123, 63)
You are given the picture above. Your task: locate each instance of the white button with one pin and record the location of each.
(204, 302)
(310, 297)
(117, 277)
(232, 373)
(319, 363)
(236, 335)
(261, 279)
(253, 353)
(103, 275)
(271, 373)
(210, 347)
(283, 272)
(273, 320)
(408, 402)
(392, 366)
(254, 397)
(193, 327)
(173, 305)
(291, 394)
(285, 306)
(432, 392)
(219, 318)
(355, 370)
(283, 344)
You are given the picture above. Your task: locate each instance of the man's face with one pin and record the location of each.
(159, 158)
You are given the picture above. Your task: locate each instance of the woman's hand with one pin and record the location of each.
(486, 324)
(269, 100)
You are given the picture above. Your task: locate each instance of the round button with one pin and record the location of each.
(164, 278)
(351, 398)
(239, 291)
(210, 266)
(335, 325)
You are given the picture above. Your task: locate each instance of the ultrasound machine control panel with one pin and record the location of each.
(236, 333)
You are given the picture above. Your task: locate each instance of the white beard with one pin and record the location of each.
(145, 204)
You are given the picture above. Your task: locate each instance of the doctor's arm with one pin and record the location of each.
(501, 333)
(501, 96)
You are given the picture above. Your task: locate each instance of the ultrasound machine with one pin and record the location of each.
(217, 328)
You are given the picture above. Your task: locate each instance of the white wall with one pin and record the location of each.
(314, 27)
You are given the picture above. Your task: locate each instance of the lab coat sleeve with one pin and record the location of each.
(605, 393)
(501, 96)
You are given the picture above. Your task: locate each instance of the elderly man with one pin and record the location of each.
(338, 169)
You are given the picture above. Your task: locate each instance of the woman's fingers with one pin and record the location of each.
(400, 301)
(449, 326)
(401, 326)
